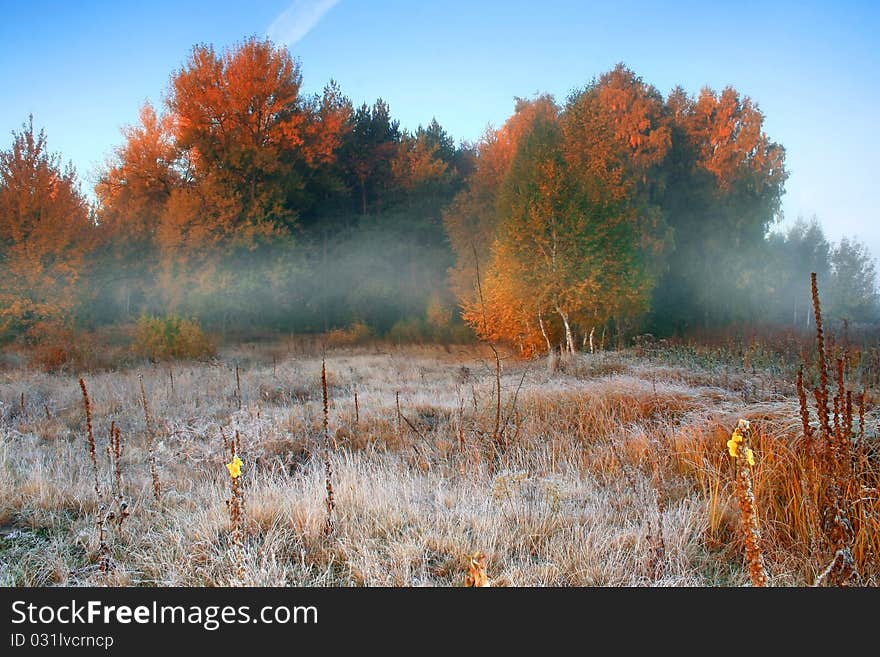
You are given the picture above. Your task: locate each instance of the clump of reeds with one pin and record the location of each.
(328, 466)
(739, 447)
(103, 547)
(235, 503)
(151, 439)
(834, 469)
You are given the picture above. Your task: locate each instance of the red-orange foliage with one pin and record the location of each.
(616, 132)
(570, 236)
(137, 183)
(45, 233)
(727, 132)
(416, 165)
(241, 119)
(471, 219)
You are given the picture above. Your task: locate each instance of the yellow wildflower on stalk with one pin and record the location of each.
(747, 503)
(234, 467)
(736, 438)
(733, 443)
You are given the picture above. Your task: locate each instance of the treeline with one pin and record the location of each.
(251, 206)
(621, 210)
(242, 202)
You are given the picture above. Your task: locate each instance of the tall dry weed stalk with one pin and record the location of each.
(328, 466)
(739, 447)
(151, 440)
(834, 467)
(238, 386)
(357, 408)
(121, 512)
(235, 503)
(103, 547)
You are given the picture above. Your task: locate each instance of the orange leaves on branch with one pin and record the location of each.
(328, 125)
(245, 97)
(135, 185)
(416, 164)
(616, 132)
(45, 234)
(727, 132)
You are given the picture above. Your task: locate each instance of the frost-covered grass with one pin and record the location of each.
(606, 470)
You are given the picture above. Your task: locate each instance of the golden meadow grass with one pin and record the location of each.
(611, 469)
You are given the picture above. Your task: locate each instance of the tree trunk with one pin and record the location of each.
(619, 323)
(544, 332)
(592, 344)
(569, 338)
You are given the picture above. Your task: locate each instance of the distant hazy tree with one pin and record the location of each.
(852, 289)
(791, 257)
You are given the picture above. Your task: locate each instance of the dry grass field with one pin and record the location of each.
(611, 469)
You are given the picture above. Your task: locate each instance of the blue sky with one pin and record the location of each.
(83, 69)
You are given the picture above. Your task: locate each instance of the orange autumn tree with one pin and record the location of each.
(568, 228)
(724, 180)
(133, 191)
(45, 236)
(249, 142)
(617, 137)
(240, 118)
(471, 223)
(557, 252)
(417, 166)
(138, 180)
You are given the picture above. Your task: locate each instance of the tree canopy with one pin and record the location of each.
(252, 206)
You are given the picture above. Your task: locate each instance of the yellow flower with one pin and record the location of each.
(732, 446)
(750, 456)
(234, 468)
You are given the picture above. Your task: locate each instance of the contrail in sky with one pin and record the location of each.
(298, 19)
